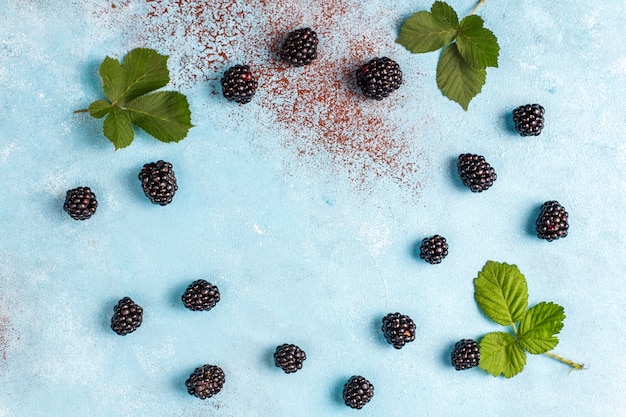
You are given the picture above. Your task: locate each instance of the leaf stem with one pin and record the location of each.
(480, 3)
(574, 365)
(81, 111)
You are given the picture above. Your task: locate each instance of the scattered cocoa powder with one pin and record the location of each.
(318, 107)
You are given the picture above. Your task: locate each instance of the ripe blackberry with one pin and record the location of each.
(476, 173)
(159, 182)
(552, 221)
(300, 47)
(398, 329)
(238, 84)
(357, 392)
(205, 381)
(528, 119)
(289, 358)
(80, 203)
(465, 354)
(127, 317)
(200, 295)
(434, 249)
(379, 77)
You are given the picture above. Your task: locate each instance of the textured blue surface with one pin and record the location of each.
(310, 238)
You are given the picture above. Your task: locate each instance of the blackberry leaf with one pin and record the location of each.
(500, 354)
(456, 79)
(145, 71)
(164, 115)
(501, 292)
(539, 326)
(426, 32)
(478, 46)
(445, 14)
(117, 128)
(99, 108)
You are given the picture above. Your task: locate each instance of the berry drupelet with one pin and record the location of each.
(552, 222)
(201, 295)
(465, 354)
(159, 182)
(398, 329)
(289, 358)
(205, 381)
(528, 119)
(127, 317)
(238, 84)
(379, 77)
(475, 172)
(434, 249)
(80, 203)
(357, 392)
(300, 47)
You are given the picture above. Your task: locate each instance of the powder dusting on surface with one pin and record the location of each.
(323, 116)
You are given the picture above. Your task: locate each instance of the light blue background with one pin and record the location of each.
(300, 253)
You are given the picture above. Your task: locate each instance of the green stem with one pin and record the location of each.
(480, 3)
(81, 111)
(574, 365)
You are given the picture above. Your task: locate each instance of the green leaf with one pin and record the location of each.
(114, 79)
(477, 45)
(456, 79)
(100, 108)
(164, 115)
(445, 14)
(539, 326)
(118, 129)
(500, 354)
(501, 292)
(146, 71)
(427, 32)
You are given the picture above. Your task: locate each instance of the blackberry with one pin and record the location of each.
(379, 77)
(357, 392)
(552, 221)
(398, 329)
(127, 317)
(528, 119)
(434, 249)
(238, 84)
(159, 182)
(300, 47)
(289, 358)
(205, 381)
(201, 296)
(80, 203)
(465, 354)
(476, 173)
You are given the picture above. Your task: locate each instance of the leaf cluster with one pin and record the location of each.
(501, 292)
(164, 114)
(468, 49)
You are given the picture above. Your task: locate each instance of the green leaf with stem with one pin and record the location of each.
(539, 326)
(163, 115)
(478, 46)
(500, 354)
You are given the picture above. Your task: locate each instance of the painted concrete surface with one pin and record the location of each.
(305, 207)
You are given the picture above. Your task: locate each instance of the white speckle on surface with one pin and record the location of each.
(618, 67)
(259, 230)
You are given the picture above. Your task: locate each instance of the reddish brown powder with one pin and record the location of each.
(318, 106)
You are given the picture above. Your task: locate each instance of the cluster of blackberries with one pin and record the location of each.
(157, 180)
(200, 295)
(377, 78)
